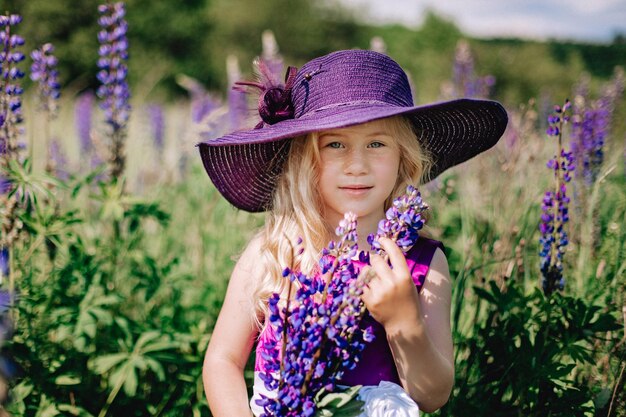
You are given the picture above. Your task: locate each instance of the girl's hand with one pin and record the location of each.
(391, 296)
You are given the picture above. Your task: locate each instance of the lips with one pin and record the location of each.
(356, 187)
(356, 190)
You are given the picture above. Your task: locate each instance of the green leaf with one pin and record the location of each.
(74, 410)
(19, 393)
(156, 367)
(130, 384)
(67, 380)
(339, 404)
(484, 294)
(104, 363)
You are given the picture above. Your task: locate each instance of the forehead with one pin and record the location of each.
(375, 127)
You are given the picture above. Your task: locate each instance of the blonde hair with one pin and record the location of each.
(297, 210)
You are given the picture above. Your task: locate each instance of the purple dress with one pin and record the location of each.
(376, 363)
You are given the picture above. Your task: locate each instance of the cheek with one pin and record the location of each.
(389, 170)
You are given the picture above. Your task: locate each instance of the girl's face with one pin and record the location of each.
(358, 171)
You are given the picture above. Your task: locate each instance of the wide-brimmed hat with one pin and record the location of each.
(338, 90)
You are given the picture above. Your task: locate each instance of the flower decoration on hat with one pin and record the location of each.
(274, 103)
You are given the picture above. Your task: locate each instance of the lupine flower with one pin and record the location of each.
(202, 103)
(465, 82)
(591, 124)
(4, 264)
(403, 220)
(237, 102)
(58, 160)
(157, 124)
(270, 57)
(10, 94)
(113, 91)
(319, 332)
(554, 239)
(43, 71)
(10, 118)
(83, 115)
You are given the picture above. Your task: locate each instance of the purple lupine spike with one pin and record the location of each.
(157, 125)
(10, 94)
(113, 91)
(44, 73)
(321, 333)
(58, 160)
(465, 82)
(591, 124)
(237, 102)
(403, 220)
(4, 262)
(270, 56)
(554, 207)
(202, 103)
(83, 119)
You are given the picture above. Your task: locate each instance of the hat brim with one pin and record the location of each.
(244, 165)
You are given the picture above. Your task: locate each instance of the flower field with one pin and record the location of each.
(115, 249)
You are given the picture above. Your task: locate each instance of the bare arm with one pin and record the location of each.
(417, 325)
(232, 341)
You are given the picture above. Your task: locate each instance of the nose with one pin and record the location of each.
(356, 163)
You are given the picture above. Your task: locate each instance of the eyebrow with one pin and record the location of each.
(339, 134)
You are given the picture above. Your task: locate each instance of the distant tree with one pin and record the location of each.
(163, 34)
(303, 29)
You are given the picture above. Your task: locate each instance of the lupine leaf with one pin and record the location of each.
(103, 364)
(340, 403)
(67, 380)
(130, 383)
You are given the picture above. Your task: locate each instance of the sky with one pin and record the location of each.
(581, 20)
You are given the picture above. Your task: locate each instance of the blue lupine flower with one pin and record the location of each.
(58, 160)
(237, 102)
(157, 124)
(319, 329)
(555, 215)
(83, 117)
(4, 263)
(465, 82)
(591, 124)
(402, 221)
(10, 95)
(113, 91)
(270, 57)
(43, 71)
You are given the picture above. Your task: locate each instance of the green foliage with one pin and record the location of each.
(341, 403)
(103, 324)
(523, 353)
(166, 38)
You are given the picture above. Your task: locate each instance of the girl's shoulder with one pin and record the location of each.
(251, 256)
(421, 256)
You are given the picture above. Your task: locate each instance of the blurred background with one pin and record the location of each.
(530, 47)
(110, 284)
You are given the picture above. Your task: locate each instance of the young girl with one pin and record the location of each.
(342, 135)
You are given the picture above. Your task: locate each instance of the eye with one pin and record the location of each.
(334, 145)
(376, 144)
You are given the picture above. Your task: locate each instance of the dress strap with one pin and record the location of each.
(419, 258)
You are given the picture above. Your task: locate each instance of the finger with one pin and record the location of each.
(380, 267)
(396, 257)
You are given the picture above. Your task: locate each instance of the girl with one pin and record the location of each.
(342, 135)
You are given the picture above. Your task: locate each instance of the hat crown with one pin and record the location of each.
(349, 77)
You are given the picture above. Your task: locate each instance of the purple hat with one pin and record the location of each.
(338, 90)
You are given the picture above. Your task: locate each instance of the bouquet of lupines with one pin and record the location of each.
(319, 334)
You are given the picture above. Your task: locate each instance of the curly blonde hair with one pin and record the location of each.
(297, 206)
